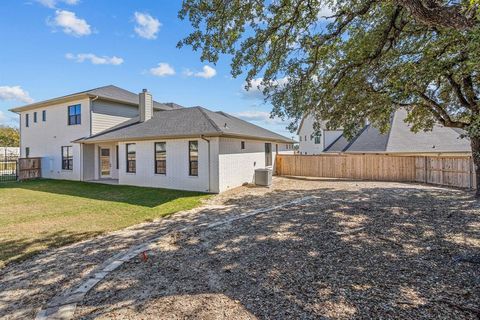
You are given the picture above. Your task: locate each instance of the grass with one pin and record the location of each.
(41, 214)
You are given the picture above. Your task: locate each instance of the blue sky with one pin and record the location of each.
(56, 47)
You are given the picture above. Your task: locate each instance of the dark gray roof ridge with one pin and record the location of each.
(355, 138)
(201, 109)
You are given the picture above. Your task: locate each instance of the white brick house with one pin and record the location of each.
(110, 133)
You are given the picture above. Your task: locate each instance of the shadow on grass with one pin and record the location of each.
(21, 249)
(140, 196)
(364, 253)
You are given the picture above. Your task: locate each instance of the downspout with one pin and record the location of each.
(209, 162)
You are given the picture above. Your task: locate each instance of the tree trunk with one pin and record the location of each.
(475, 143)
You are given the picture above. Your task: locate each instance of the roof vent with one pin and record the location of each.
(225, 126)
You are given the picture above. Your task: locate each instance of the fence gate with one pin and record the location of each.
(8, 169)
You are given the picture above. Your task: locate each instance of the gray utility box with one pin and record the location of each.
(263, 177)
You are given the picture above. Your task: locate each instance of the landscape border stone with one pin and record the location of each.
(63, 307)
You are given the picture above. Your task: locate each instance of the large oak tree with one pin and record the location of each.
(363, 61)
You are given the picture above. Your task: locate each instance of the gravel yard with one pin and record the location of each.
(355, 250)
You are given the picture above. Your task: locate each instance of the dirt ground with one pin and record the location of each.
(355, 250)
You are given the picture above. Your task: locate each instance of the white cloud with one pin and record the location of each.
(258, 116)
(3, 118)
(8, 119)
(94, 59)
(146, 26)
(325, 12)
(206, 73)
(256, 90)
(14, 93)
(53, 3)
(163, 70)
(70, 23)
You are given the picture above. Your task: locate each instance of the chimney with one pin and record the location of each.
(146, 105)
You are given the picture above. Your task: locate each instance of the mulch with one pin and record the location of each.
(357, 250)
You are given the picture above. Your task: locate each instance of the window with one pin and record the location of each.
(300, 138)
(27, 118)
(116, 157)
(268, 154)
(317, 137)
(44, 115)
(74, 114)
(161, 157)
(193, 158)
(35, 117)
(305, 138)
(131, 157)
(27, 152)
(67, 158)
(242, 145)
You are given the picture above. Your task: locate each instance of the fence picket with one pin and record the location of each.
(453, 171)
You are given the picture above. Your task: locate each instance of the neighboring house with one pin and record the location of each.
(111, 133)
(9, 152)
(315, 142)
(398, 140)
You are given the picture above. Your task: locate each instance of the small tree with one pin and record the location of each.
(367, 59)
(9, 136)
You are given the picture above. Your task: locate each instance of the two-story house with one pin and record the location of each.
(313, 141)
(398, 140)
(112, 134)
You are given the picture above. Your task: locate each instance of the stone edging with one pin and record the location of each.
(64, 306)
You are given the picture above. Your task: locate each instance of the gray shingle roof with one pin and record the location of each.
(109, 92)
(400, 139)
(186, 122)
(115, 93)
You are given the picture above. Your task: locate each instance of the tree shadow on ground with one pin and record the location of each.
(366, 253)
(133, 195)
(21, 249)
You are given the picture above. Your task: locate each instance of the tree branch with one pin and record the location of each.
(439, 113)
(435, 15)
(458, 91)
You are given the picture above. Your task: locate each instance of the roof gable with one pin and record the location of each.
(400, 139)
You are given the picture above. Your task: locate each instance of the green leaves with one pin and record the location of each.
(368, 59)
(9, 136)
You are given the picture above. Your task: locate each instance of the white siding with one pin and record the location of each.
(177, 176)
(107, 114)
(306, 137)
(45, 139)
(9, 152)
(237, 166)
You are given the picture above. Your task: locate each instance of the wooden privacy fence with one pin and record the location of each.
(446, 171)
(449, 171)
(29, 168)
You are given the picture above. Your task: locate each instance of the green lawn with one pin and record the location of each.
(40, 214)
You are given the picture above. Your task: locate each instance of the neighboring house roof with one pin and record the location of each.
(400, 139)
(110, 92)
(185, 122)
